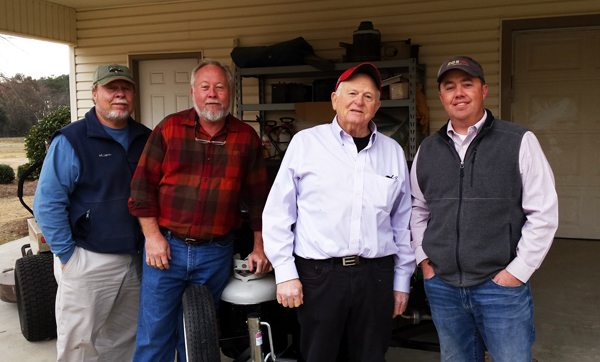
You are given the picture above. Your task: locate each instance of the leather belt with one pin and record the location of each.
(186, 239)
(349, 260)
(345, 261)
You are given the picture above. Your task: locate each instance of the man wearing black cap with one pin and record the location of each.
(81, 207)
(485, 211)
(347, 263)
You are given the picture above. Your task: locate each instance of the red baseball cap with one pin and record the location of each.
(365, 68)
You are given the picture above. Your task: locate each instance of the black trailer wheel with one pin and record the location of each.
(200, 325)
(35, 287)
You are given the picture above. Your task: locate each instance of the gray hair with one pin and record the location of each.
(94, 90)
(208, 61)
(338, 92)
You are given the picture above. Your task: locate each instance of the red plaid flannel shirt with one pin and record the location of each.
(195, 189)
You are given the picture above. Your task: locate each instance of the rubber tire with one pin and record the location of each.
(35, 287)
(200, 325)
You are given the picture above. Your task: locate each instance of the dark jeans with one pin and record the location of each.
(358, 299)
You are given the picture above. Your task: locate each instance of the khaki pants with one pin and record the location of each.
(97, 306)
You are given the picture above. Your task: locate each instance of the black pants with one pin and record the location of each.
(357, 299)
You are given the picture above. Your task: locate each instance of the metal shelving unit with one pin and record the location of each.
(416, 73)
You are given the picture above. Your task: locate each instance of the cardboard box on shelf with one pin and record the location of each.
(315, 112)
(399, 91)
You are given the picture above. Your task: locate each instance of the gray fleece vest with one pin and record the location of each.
(475, 208)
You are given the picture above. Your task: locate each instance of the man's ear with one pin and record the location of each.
(334, 100)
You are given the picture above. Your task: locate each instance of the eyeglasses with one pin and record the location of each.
(206, 142)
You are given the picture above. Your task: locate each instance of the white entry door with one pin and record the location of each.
(556, 83)
(164, 88)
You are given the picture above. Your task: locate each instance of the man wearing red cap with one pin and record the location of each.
(347, 262)
(485, 211)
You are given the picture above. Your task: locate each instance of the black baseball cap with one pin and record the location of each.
(462, 63)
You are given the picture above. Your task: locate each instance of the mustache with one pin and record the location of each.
(213, 102)
(120, 101)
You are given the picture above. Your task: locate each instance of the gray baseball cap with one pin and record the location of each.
(463, 63)
(105, 74)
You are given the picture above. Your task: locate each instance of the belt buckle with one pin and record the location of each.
(190, 241)
(350, 260)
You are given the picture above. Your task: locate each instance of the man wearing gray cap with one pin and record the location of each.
(81, 206)
(485, 211)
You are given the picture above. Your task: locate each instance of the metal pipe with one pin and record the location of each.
(256, 353)
(415, 315)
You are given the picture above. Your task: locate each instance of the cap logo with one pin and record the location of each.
(457, 62)
(115, 68)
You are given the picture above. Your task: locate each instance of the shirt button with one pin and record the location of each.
(208, 159)
(197, 223)
(205, 179)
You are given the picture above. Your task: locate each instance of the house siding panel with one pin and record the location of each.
(38, 19)
(442, 28)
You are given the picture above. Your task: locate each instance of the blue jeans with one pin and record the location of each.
(161, 292)
(487, 315)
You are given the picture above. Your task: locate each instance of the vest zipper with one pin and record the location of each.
(462, 174)
(473, 165)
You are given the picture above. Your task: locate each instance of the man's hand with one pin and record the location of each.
(400, 303)
(428, 272)
(158, 252)
(258, 257)
(507, 279)
(289, 294)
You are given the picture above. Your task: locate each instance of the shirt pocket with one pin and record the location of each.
(380, 191)
(227, 164)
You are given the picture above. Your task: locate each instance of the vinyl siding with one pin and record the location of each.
(38, 19)
(443, 28)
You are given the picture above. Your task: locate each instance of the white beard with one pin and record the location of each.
(209, 116)
(114, 116)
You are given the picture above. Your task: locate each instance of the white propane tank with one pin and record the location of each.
(246, 288)
(284, 139)
(267, 146)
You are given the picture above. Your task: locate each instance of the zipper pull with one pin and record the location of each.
(462, 168)
(474, 154)
(87, 214)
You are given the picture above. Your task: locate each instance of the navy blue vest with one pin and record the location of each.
(98, 213)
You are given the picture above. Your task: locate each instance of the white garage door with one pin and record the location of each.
(164, 88)
(556, 82)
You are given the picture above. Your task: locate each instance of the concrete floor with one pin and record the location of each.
(565, 292)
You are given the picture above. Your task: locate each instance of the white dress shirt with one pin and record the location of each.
(342, 202)
(539, 202)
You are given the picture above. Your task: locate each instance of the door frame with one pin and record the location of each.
(134, 64)
(509, 28)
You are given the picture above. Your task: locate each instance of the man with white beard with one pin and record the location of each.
(197, 167)
(81, 206)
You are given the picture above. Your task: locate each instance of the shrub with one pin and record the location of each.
(35, 141)
(7, 174)
(22, 168)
